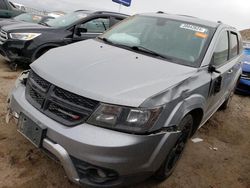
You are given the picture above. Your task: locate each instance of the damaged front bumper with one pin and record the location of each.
(90, 154)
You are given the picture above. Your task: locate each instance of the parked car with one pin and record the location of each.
(243, 86)
(24, 43)
(8, 9)
(25, 17)
(120, 108)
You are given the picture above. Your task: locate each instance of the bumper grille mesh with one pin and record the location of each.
(63, 106)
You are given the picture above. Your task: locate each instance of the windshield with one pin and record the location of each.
(67, 19)
(28, 18)
(182, 42)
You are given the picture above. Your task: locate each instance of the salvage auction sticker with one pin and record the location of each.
(193, 28)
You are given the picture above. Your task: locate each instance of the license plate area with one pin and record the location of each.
(31, 130)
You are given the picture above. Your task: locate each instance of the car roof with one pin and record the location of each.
(102, 12)
(184, 18)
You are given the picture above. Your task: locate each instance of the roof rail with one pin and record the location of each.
(80, 10)
(109, 12)
(186, 15)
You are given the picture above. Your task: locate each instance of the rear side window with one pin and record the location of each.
(234, 45)
(222, 49)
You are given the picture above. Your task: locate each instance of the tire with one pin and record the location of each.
(40, 53)
(176, 151)
(227, 102)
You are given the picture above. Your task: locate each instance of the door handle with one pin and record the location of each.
(230, 71)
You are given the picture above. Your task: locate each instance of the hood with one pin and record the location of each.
(109, 74)
(9, 22)
(24, 26)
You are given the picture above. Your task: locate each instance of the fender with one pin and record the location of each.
(190, 103)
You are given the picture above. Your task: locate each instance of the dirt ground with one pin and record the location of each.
(24, 166)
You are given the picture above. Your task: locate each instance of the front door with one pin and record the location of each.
(221, 79)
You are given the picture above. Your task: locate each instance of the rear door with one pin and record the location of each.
(235, 58)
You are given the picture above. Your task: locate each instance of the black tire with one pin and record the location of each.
(227, 102)
(176, 151)
(40, 53)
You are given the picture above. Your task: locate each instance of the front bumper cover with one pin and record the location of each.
(133, 157)
(15, 51)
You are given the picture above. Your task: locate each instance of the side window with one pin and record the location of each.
(234, 44)
(98, 25)
(222, 48)
(116, 20)
(240, 44)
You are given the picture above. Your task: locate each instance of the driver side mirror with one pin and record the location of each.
(79, 30)
(212, 67)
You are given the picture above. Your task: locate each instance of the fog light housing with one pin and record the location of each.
(97, 175)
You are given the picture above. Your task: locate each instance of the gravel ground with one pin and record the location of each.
(24, 166)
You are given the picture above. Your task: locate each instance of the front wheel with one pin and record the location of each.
(176, 151)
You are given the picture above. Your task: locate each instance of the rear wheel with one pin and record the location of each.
(176, 151)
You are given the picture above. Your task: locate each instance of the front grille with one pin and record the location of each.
(40, 81)
(63, 106)
(36, 96)
(3, 36)
(73, 98)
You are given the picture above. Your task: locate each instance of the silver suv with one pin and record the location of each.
(120, 108)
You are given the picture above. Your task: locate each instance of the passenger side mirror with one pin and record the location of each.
(212, 67)
(79, 30)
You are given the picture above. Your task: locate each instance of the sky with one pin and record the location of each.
(233, 12)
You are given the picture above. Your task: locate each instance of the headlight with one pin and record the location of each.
(135, 120)
(24, 36)
(22, 78)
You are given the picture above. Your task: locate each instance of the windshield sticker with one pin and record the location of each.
(193, 28)
(201, 35)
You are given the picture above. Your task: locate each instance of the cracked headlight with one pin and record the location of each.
(134, 120)
(24, 36)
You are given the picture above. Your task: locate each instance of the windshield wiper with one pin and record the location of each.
(112, 43)
(136, 48)
(105, 40)
(146, 50)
